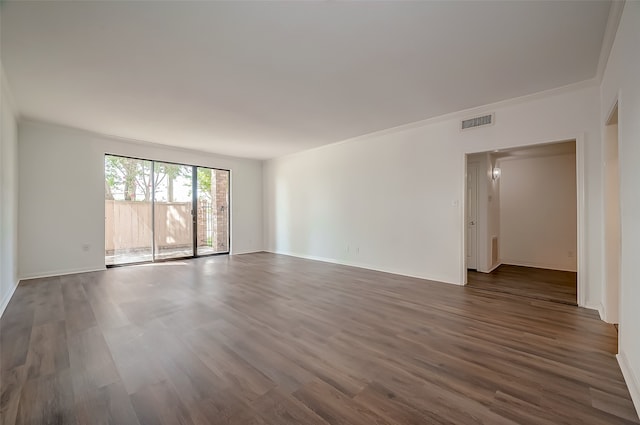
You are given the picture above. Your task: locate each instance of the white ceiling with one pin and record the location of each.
(264, 79)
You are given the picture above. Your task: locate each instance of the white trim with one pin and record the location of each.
(550, 155)
(612, 108)
(253, 251)
(7, 298)
(462, 211)
(613, 22)
(362, 266)
(474, 163)
(603, 231)
(62, 272)
(593, 306)
(494, 267)
(630, 378)
(509, 262)
(581, 222)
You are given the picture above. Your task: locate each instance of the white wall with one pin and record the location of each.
(393, 200)
(622, 81)
(62, 196)
(8, 195)
(538, 212)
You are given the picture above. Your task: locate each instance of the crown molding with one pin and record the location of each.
(615, 14)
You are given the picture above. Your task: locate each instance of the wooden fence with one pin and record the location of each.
(128, 225)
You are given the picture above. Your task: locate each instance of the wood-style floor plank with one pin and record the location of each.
(549, 285)
(48, 350)
(264, 339)
(108, 405)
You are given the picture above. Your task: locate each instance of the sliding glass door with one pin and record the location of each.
(172, 210)
(152, 211)
(128, 210)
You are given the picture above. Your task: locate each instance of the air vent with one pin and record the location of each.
(477, 122)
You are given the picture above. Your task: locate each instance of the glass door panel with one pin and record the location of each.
(212, 211)
(127, 210)
(173, 201)
(150, 207)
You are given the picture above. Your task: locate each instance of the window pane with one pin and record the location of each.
(127, 204)
(172, 209)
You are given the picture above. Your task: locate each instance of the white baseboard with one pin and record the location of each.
(496, 266)
(538, 265)
(605, 317)
(594, 306)
(248, 252)
(62, 272)
(492, 268)
(631, 379)
(7, 298)
(363, 266)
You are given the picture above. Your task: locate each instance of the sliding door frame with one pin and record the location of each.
(194, 213)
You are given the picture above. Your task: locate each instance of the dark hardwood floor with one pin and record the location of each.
(268, 339)
(550, 285)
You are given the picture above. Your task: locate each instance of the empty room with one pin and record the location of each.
(319, 212)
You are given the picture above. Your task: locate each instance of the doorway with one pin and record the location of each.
(160, 210)
(613, 235)
(527, 221)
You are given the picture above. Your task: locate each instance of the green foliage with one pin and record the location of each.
(130, 179)
(204, 182)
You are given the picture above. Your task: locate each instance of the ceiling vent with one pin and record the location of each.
(478, 122)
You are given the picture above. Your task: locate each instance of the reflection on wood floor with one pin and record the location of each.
(550, 285)
(270, 339)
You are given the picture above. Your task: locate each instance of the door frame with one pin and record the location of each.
(194, 168)
(465, 212)
(605, 313)
(579, 139)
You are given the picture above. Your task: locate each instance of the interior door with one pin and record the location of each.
(472, 216)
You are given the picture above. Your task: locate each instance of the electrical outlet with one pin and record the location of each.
(86, 247)
(570, 254)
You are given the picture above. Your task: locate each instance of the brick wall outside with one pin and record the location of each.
(220, 193)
